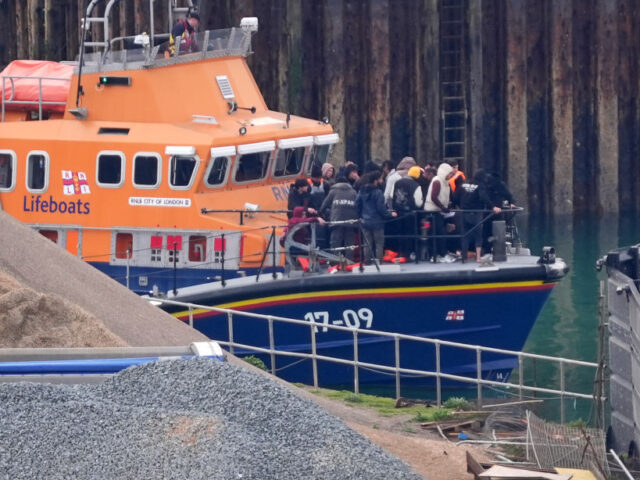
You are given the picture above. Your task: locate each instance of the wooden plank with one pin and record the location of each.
(427, 123)
(627, 126)
(584, 125)
(312, 62)
(378, 82)
(294, 55)
(562, 111)
(476, 78)
(34, 9)
(516, 110)
(607, 107)
(334, 57)
(538, 107)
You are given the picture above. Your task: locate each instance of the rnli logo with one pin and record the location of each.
(74, 183)
(455, 316)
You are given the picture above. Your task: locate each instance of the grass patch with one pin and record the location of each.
(255, 361)
(385, 406)
(458, 403)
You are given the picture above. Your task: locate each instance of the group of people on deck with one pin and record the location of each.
(395, 203)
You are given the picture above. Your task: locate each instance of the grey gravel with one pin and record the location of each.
(180, 419)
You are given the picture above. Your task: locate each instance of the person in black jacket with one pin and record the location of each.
(299, 197)
(340, 206)
(373, 212)
(184, 33)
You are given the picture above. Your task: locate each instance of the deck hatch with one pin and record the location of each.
(113, 131)
(225, 87)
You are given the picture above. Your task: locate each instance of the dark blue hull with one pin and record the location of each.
(496, 314)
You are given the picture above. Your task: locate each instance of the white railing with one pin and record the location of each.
(10, 79)
(396, 369)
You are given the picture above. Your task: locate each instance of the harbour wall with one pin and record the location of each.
(551, 89)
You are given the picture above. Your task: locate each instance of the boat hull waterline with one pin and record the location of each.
(498, 315)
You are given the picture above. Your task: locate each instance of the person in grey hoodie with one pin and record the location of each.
(401, 171)
(338, 206)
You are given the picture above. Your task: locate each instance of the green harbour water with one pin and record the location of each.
(568, 324)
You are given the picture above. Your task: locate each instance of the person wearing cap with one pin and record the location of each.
(184, 32)
(299, 197)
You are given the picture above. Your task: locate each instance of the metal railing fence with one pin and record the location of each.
(395, 369)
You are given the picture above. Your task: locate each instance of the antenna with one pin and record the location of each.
(81, 113)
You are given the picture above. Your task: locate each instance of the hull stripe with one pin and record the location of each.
(375, 293)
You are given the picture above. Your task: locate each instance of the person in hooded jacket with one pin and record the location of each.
(437, 203)
(340, 206)
(401, 171)
(407, 199)
(373, 212)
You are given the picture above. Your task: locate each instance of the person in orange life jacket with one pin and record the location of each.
(299, 197)
(339, 206)
(184, 32)
(437, 202)
(455, 181)
(373, 212)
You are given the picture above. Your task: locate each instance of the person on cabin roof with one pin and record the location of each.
(184, 32)
(340, 206)
(373, 212)
(299, 196)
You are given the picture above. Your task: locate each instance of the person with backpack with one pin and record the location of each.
(406, 199)
(373, 212)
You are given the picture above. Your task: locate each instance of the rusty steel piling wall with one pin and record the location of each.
(552, 86)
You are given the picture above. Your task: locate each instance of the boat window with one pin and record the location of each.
(7, 170)
(37, 171)
(197, 248)
(146, 170)
(50, 234)
(252, 166)
(289, 161)
(319, 155)
(124, 245)
(217, 173)
(182, 171)
(110, 169)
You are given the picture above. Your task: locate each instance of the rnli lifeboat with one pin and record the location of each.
(163, 167)
(144, 163)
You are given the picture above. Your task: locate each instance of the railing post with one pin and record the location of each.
(175, 267)
(562, 387)
(230, 327)
(128, 260)
(479, 375)
(273, 233)
(272, 351)
(191, 316)
(520, 375)
(396, 341)
(438, 379)
(314, 352)
(224, 247)
(356, 379)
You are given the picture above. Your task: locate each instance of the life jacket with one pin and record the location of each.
(186, 39)
(452, 180)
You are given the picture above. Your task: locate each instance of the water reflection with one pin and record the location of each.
(568, 324)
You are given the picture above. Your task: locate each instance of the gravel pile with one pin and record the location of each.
(180, 419)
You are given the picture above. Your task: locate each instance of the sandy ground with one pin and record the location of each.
(428, 454)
